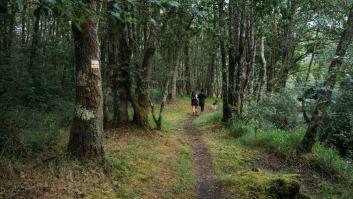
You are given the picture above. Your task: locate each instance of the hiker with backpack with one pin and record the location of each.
(202, 99)
(194, 103)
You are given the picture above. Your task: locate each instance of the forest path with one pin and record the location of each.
(207, 186)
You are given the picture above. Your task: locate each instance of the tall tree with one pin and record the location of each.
(227, 111)
(321, 104)
(120, 54)
(87, 127)
(263, 66)
(271, 80)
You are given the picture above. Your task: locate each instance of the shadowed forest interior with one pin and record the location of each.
(180, 99)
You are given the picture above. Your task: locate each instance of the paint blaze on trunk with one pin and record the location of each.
(87, 127)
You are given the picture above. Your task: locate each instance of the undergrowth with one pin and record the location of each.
(240, 136)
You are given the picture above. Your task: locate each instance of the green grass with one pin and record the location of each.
(234, 144)
(208, 118)
(329, 161)
(275, 140)
(232, 164)
(183, 169)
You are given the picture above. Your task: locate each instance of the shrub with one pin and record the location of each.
(337, 128)
(280, 109)
(23, 129)
(239, 128)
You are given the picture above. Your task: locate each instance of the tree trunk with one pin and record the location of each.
(211, 73)
(187, 68)
(240, 61)
(262, 74)
(120, 53)
(312, 58)
(227, 111)
(87, 127)
(158, 121)
(231, 54)
(318, 114)
(141, 104)
(287, 45)
(174, 62)
(271, 84)
(251, 55)
(33, 69)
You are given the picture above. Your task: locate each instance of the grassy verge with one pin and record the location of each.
(238, 149)
(137, 164)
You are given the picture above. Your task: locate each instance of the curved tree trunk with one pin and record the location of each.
(141, 103)
(87, 127)
(318, 114)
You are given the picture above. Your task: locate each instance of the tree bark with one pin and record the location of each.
(187, 68)
(262, 74)
(287, 45)
(87, 127)
(321, 104)
(33, 69)
(119, 60)
(251, 54)
(271, 85)
(312, 58)
(174, 62)
(227, 111)
(211, 74)
(231, 53)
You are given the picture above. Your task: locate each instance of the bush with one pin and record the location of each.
(239, 128)
(23, 129)
(337, 128)
(280, 109)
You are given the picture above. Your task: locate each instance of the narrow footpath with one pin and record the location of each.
(207, 186)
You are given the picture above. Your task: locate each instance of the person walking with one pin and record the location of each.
(202, 99)
(194, 103)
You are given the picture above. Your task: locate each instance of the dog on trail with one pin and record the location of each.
(215, 105)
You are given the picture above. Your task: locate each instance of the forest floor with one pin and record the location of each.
(188, 159)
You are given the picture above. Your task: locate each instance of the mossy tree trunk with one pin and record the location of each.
(87, 127)
(120, 53)
(141, 103)
(321, 104)
(152, 32)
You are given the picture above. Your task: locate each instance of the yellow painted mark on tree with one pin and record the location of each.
(94, 64)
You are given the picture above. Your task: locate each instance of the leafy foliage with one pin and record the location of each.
(279, 109)
(337, 129)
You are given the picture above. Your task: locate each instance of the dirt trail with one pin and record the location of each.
(206, 185)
